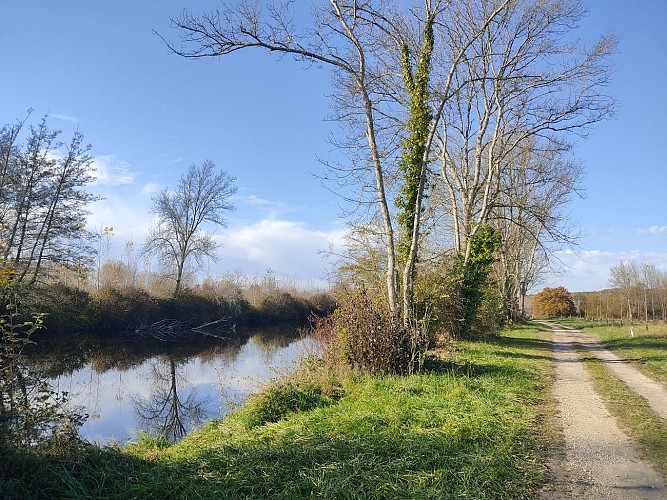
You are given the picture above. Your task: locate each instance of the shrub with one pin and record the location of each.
(366, 336)
(191, 306)
(66, 308)
(322, 303)
(32, 414)
(491, 315)
(281, 306)
(123, 308)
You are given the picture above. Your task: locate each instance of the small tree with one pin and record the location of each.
(554, 302)
(202, 195)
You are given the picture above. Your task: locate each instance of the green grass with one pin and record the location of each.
(631, 412)
(472, 426)
(647, 349)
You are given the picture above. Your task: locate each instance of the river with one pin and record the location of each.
(126, 386)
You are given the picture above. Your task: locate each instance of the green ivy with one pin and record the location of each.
(414, 146)
(472, 275)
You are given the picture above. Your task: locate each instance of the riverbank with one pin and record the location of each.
(473, 424)
(134, 310)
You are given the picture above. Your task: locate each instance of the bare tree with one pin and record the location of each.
(526, 86)
(535, 186)
(625, 276)
(202, 195)
(166, 412)
(42, 199)
(375, 49)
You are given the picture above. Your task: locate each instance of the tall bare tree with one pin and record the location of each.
(202, 196)
(380, 54)
(167, 412)
(523, 91)
(529, 214)
(528, 86)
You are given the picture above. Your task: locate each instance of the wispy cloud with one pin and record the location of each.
(654, 230)
(110, 171)
(150, 188)
(269, 208)
(65, 118)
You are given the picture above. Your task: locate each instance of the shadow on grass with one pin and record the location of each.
(364, 458)
(508, 347)
(637, 343)
(90, 472)
(372, 464)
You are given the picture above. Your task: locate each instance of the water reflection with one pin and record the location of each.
(167, 412)
(128, 385)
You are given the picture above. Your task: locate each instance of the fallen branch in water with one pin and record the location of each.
(173, 329)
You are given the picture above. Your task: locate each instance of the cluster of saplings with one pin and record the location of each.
(132, 309)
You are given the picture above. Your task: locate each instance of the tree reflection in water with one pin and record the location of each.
(102, 373)
(165, 412)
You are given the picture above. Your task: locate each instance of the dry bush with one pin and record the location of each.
(123, 308)
(363, 334)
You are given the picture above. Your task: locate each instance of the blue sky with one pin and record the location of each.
(98, 67)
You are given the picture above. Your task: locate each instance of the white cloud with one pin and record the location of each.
(130, 219)
(287, 247)
(657, 230)
(588, 270)
(150, 188)
(271, 209)
(65, 118)
(110, 171)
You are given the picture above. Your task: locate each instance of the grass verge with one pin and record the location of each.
(471, 426)
(631, 412)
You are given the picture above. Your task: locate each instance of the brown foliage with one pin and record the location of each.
(364, 335)
(554, 302)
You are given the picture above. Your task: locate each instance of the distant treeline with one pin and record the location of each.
(639, 293)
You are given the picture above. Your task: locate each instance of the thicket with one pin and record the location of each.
(70, 308)
(364, 335)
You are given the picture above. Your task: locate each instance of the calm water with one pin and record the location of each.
(164, 387)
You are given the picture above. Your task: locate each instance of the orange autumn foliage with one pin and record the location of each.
(553, 302)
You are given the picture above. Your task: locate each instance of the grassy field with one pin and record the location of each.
(475, 424)
(647, 349)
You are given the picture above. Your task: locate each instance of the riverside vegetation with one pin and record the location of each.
(471, 423)
(471, 418)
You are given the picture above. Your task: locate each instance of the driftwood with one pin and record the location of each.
(175, 329)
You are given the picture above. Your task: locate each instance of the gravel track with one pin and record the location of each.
(599, 460)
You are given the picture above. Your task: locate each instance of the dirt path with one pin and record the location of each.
(653, 392)
(599, 460)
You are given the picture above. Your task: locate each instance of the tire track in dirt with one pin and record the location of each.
(652, 391)
(599, 460)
